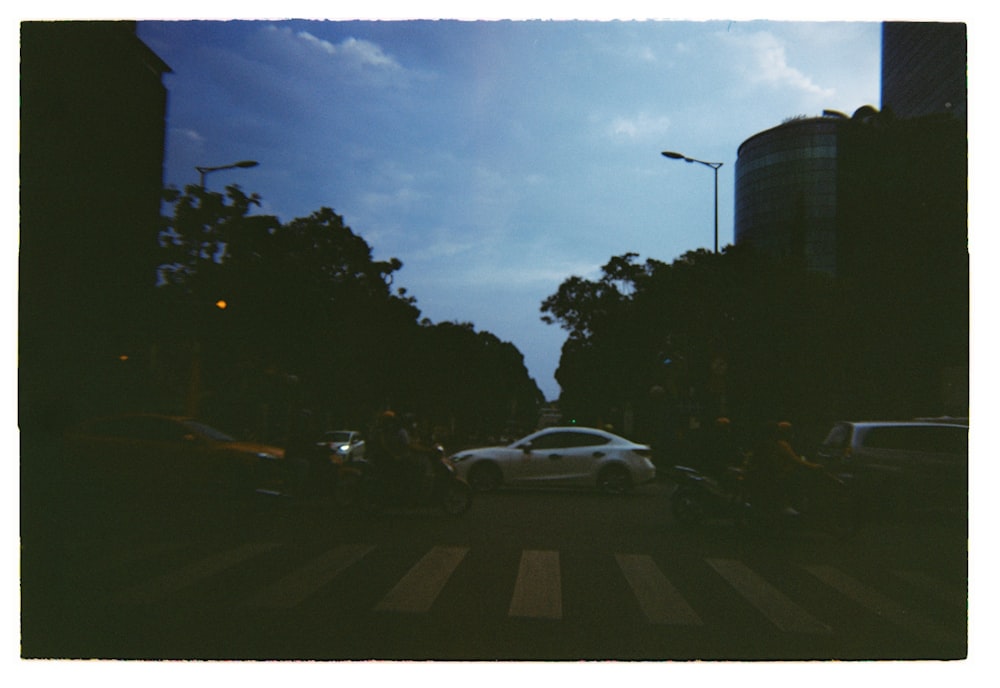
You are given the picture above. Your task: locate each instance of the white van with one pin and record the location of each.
(919, 464)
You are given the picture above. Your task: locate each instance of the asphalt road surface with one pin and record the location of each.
(524, 575)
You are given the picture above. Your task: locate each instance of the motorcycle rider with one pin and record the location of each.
(309, 464)
(719, 450)
(422, 454)
(774, 468)
(401, 459)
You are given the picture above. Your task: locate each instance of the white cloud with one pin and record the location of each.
(355, 50)
(367, 53)
(325, 46)
(767, 63)
(188, 135)
(641, 125)
(359, 50)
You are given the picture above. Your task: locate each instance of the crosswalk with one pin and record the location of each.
(659, 596)
(659, 600)
(418, 589)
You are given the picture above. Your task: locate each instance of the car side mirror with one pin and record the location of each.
(526, 448)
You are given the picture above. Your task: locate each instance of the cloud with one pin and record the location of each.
(403, 197)
(367, 52)
(351, 52)
(187, 134)
(767, 63)
(641, 125)
(360, 51)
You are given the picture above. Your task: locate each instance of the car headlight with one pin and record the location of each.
(344, 448)
(460, 457)
(267, 456)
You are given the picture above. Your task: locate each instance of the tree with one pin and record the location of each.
(310, 319)
(718, 333)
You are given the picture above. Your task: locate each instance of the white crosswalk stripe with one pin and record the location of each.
(779, 609)
(658, 598)
(879, 603)
(294, 588)
(538, 590)
(418, 589)
(169, 583)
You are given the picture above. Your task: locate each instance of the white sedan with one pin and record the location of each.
(566, 456)
(346, 445)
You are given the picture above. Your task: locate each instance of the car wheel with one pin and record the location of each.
(485, 477)
(614, 480)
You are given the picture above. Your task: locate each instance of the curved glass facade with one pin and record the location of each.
(786, 192)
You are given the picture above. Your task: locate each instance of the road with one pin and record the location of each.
(524, 575)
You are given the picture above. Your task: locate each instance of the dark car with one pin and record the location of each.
(146, 454)
(922, 465)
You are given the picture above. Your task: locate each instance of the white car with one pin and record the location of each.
(347, 445)
(560, 456)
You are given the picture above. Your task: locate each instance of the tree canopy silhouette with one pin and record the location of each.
(718, 334)
(311, 319)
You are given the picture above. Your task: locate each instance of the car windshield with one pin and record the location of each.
(208, 431)
(838, 438)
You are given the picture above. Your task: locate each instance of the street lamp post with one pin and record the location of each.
(205, 170)
(195, 383)
(715, 168)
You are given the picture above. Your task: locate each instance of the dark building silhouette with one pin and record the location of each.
(93, 109)
(839, 192)
(924, 69)
(879, 199)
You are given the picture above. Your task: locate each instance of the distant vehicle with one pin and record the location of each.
(347, 445)
(147, 454)
(922, 465)
(559, 456)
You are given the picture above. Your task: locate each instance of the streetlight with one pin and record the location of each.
(715, 168)
(205, 170)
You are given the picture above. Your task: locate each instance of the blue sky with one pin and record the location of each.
(497, 159)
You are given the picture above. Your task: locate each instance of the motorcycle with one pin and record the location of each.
(379, 487)
(822, 501)
(699, 496)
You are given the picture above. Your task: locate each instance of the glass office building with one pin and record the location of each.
(786, 191)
